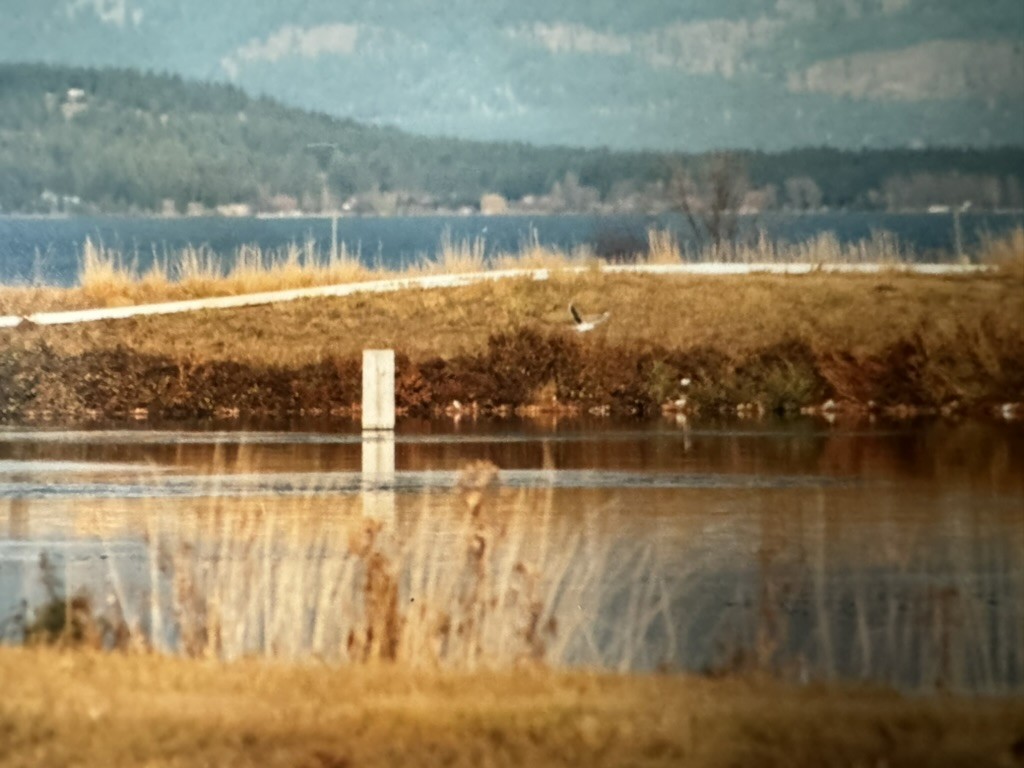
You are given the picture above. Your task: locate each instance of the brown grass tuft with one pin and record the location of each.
(1006, 253)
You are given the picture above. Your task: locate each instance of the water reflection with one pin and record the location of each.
(895, 555)
(976, 454)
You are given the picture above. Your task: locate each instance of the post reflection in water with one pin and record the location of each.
(888, 554)
(17, 518)
(378, 470)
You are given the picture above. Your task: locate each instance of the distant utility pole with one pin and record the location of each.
(958, 232)
(324, 151)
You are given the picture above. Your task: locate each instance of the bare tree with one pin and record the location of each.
(802, 193)
(710, 196)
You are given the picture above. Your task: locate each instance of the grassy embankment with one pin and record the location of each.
(907, 343)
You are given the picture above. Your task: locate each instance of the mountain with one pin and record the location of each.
(658, 74)
(104, 140)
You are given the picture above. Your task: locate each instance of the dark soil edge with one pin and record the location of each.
(522, 371)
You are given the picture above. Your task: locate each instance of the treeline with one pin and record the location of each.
(123, 141)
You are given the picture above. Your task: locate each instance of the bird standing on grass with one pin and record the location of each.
(584, 324)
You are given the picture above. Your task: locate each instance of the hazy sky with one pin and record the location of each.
(681, 74)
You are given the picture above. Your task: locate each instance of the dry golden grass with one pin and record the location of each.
(532, 254)
(1006, 253)
(880, 248)
(109, 278)
(859, 313)
(663, 247)
(86, 709)
(462, 256)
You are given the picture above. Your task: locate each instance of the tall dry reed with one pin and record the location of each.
(472, 583)
(485, 575)
(1005, 253)
(108, 276)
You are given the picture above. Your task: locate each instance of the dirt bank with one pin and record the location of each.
(524, 370)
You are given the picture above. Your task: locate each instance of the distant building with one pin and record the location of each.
(493, 205)
(74, 102)
(235, 209)
(59, 203)
(280, 204)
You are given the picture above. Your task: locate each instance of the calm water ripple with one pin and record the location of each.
(298, 483)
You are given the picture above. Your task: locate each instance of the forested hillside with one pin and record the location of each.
(123, 141)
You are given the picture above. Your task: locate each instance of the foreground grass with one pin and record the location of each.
(63, 708)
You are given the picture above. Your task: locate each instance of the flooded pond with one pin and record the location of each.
(886, 553)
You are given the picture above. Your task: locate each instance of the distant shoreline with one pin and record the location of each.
(444, 213)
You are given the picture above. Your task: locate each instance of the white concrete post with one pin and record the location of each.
(378, 389)
(378, 433)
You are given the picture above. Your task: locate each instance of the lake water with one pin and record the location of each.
(49, 250)
(888, 553)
